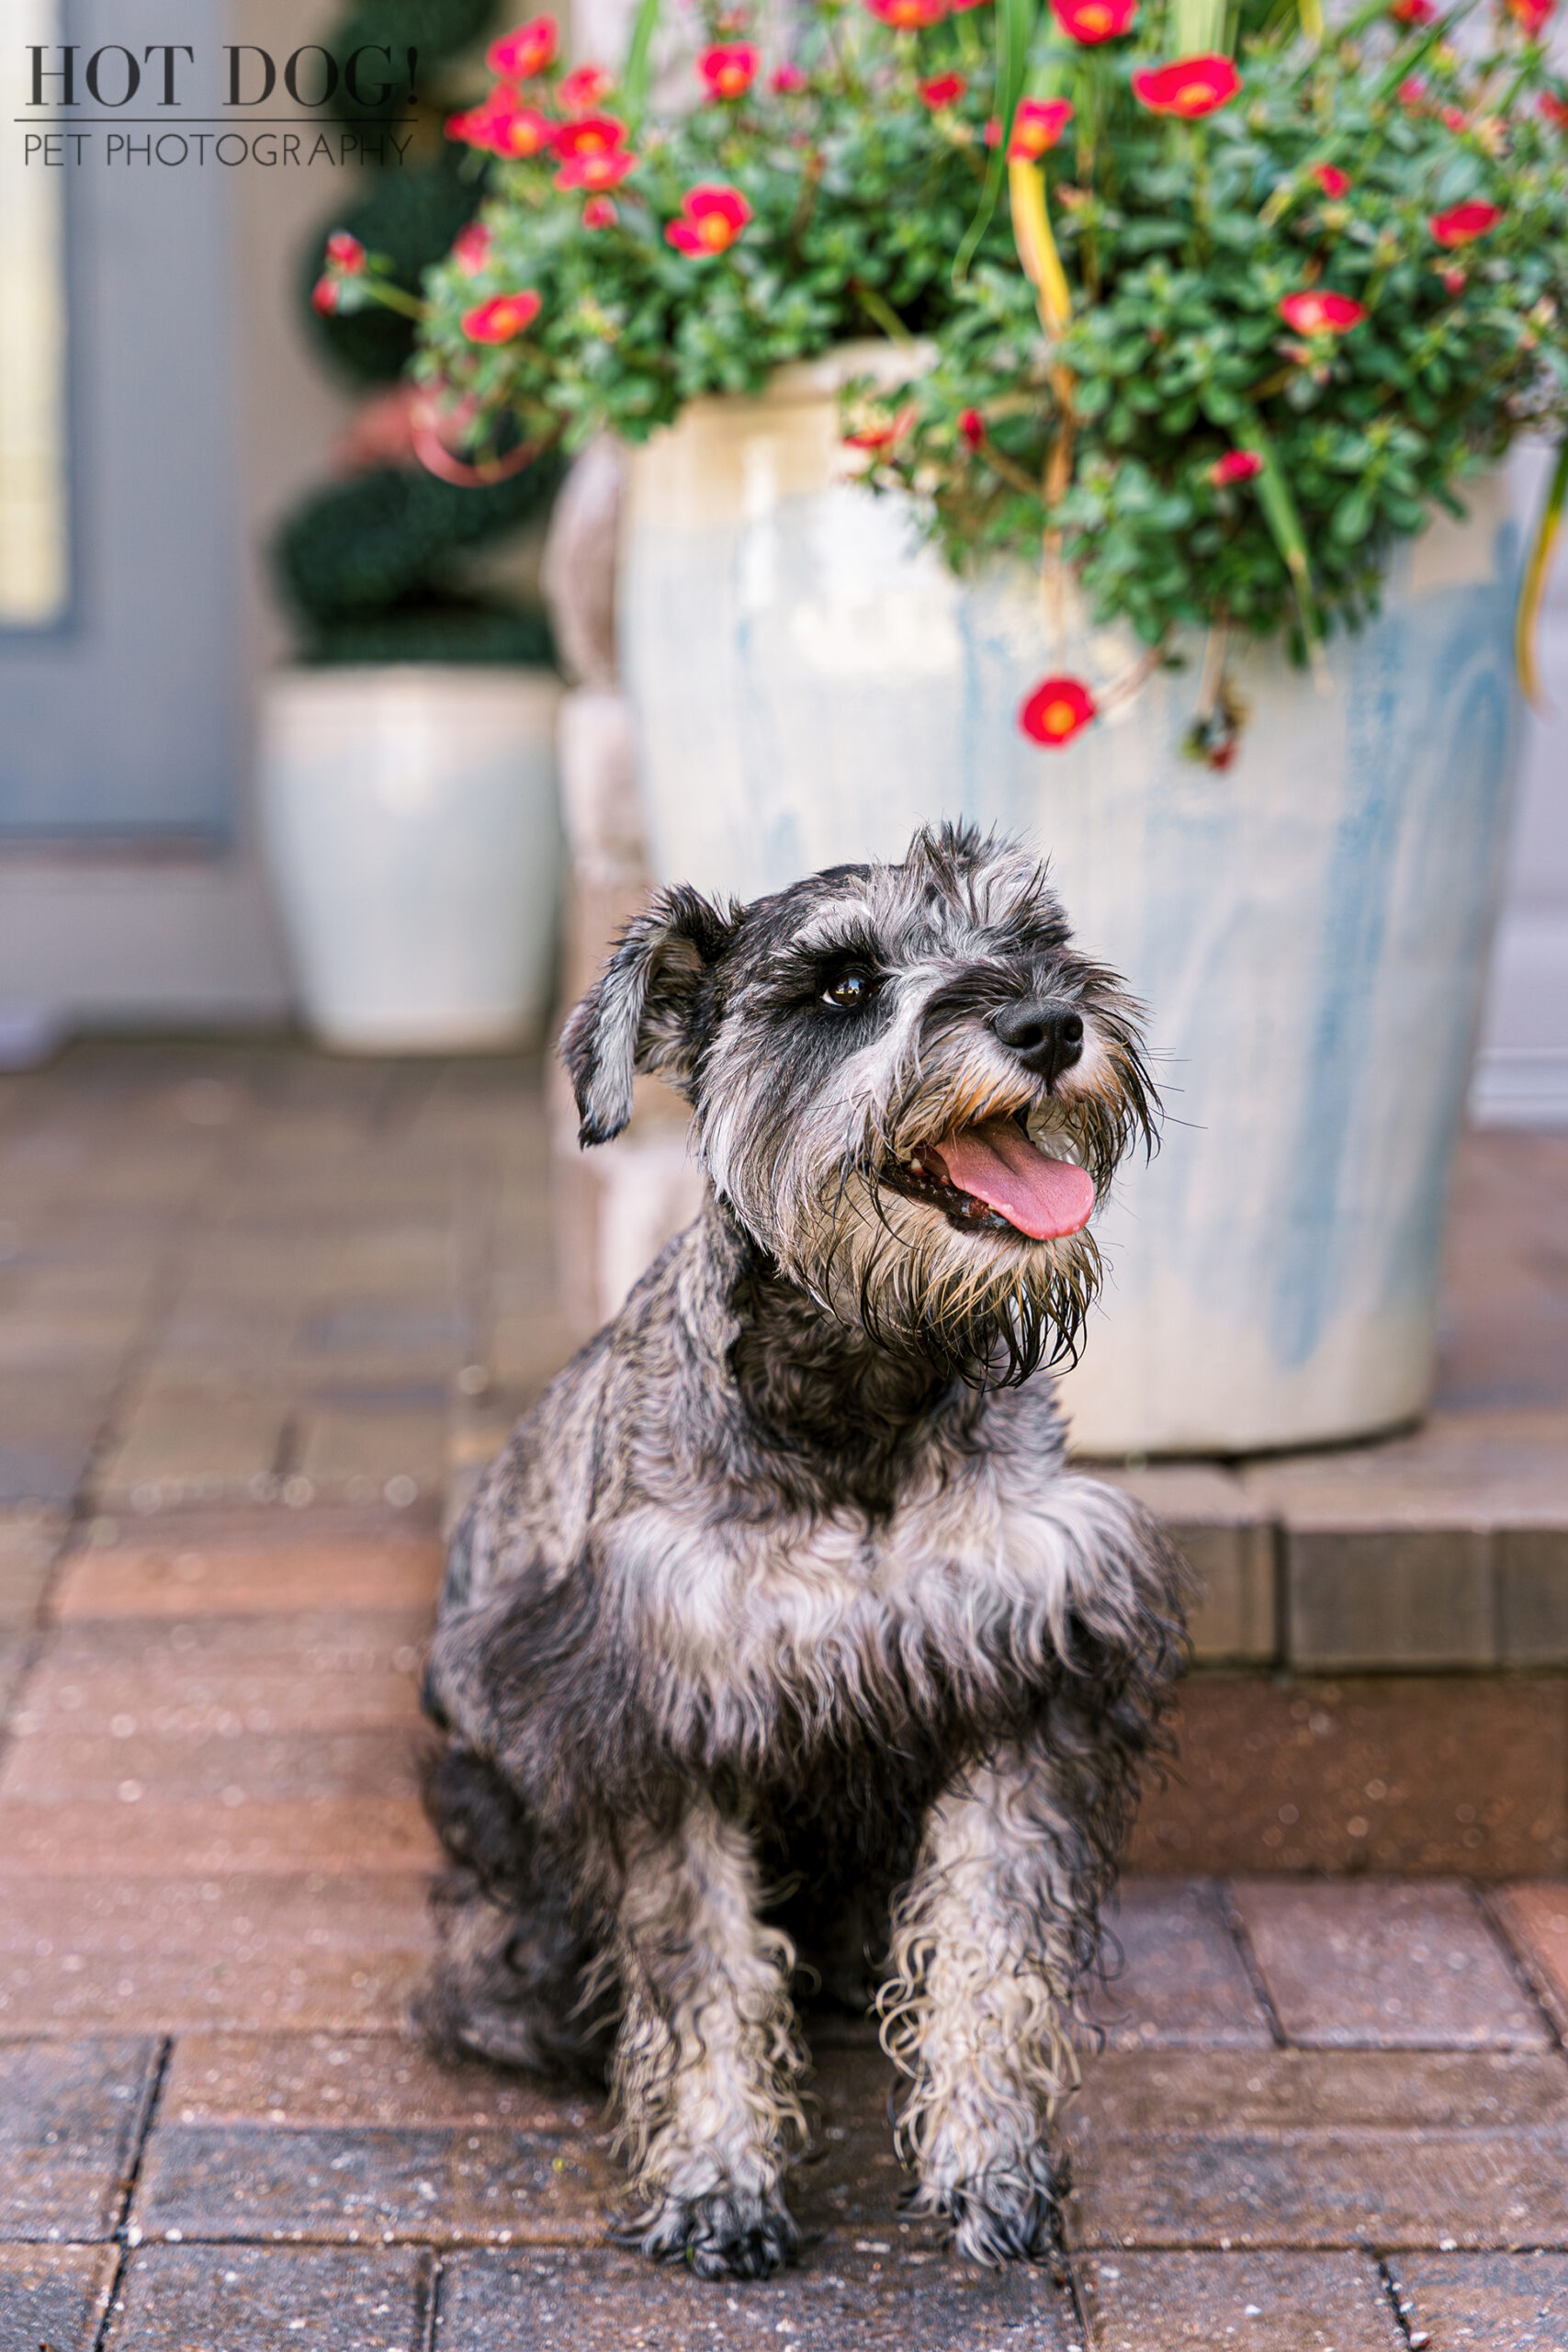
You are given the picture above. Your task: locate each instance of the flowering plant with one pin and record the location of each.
(1211, 330)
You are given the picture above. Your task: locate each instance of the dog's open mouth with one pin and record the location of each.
(991, 1178)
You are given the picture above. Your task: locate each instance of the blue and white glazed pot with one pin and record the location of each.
(1309, 928)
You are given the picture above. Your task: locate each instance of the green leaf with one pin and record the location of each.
(639, 53)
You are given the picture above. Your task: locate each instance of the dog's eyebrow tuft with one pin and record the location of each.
(822, 942)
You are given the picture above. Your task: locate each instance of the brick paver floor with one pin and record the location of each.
(244, 1296)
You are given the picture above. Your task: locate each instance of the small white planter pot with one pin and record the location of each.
(411, 820)
(1308, 929)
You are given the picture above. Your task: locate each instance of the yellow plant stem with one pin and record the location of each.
(1538, 571)
(1043, 267)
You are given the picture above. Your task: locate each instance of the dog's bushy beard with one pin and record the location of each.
(980, 1307)
(988, 1306)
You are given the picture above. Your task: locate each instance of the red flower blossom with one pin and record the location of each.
(502, 316)
(1412, 92)
(881, 436)
(600, 212)
(1331, 179)
(1554, 109)
(712, 217)
(597, 171)
(470, 248)
(729, 72)
(993, 132)
(1452, 117)
(521, 54)
(787, 80)
(972, 427)
(907, 16)
(1310, 312)
(346, 250)
(1191, 88)
(1454, 279)
(1236, 465)
(324, 296)
(1412, 12)
(1094, 20)
(581, 89)
(1037, 124)
(944, 89)
(1058, 710)
(1465, 223)
(502, 124)
(1532, 16)
(591, 134)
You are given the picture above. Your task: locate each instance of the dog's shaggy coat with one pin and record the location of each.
(779, 1640)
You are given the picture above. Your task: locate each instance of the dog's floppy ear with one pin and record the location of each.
(641, 1014)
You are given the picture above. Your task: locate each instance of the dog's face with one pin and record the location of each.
(906, 1086)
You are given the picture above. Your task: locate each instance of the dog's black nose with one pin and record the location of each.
(1047, 1038)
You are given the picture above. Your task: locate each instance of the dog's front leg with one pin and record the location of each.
(987, 1942)
(707, 2061)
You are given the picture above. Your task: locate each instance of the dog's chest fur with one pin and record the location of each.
(968, 1583)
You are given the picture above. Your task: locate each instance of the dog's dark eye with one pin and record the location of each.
(850, 989)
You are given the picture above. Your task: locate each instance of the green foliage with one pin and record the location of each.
(360, 547)
(1179, 240)
(410, 218)
(368, 567)
(435, 630)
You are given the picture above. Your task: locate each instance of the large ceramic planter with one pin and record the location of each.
(1308, 929)
(410, 817)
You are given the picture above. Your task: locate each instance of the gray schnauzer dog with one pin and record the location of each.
(779, 1643)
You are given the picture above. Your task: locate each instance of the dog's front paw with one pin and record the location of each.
(723, 2234)
(1009, 2213)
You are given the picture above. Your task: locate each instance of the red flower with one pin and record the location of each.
(504, 316)
(591, 134)
(729, 72)
(1412, 92)
(1310, 312)
(1192, 87)
(1465, 223)
(583, 88)
(324, 296)
(1412, 12)
(519, 55)
(523, 133)
(502, 124)
(1094, 20)
(1037, 124)
(787, 80)
(1452, 117)
(600, 212)
(972, 427)
(993, 132)
(944, 89)
(1236, 465)
(1058, 710)
(711, 218)
(346, 250)
(1532, 16)
(597, 171)
(1554, 109)
(1331, 179)
(1454, 279)
(907, 16)
(881, 436)
(470, 248)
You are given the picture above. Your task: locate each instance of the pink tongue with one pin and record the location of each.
(1044, 1198)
